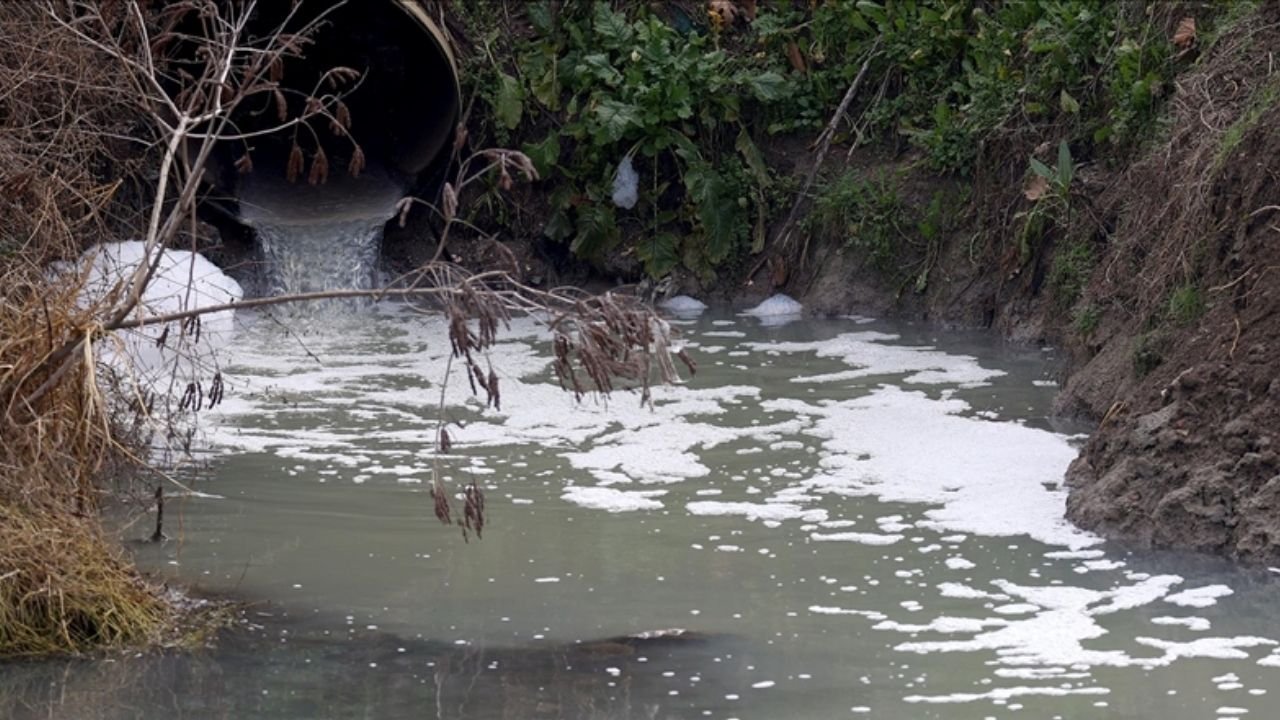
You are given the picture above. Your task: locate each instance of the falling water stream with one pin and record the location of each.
(850, 519)
(316, 238)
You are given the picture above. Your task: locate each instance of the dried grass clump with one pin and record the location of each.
(64, 117)
(65, 588)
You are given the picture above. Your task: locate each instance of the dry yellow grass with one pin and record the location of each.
(64, 586)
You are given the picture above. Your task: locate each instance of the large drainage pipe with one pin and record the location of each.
(403, 110)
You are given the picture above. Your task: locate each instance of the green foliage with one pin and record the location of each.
(1049, 190)
(1147, 355)
(870, 215)
(1086, 319)
(1072, 266)
(592, 83)
(1186, 304)
(867, 213)
(956, 71)
(618, 85)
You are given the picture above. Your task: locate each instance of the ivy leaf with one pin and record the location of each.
(509, 104)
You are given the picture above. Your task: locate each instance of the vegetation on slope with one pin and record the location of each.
(697, 96)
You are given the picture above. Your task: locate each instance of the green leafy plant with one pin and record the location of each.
(635, 86)
(867, 213)
(1186, 304)
(1049, 190)
(1085, 320)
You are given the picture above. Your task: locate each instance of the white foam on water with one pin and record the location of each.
(611, 500)
(977, 477)
(1201, 597)
(1191, 623)
(873, 354)
(987, 478)
(1006, 693)
(779, 305)
(857, 537)
(683, 305)
(757, 511)
(942, 624)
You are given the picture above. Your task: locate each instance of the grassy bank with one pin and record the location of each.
(68, 139)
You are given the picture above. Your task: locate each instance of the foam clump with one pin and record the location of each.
(183, 281)
(683, 305)
(777, 310)
(779, 304)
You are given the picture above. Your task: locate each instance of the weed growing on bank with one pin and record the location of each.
(695, 100)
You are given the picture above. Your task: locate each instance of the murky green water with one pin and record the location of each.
(852, 520)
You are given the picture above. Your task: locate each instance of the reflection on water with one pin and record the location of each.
(371, 675)
(857, 519)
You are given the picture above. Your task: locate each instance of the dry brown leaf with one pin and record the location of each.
(721, 12)
(1036, 187)
(724, 12)
(1185, 36)
(796, 58)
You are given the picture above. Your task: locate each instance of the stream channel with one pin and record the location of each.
(849, 518)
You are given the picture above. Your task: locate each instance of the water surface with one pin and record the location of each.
(851, 519)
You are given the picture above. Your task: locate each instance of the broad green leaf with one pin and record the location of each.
(597, 230)
(659, 254)
(540, 17)
(1066, 168)
(751, 156)
(509, 104)
(1043, 170)
(546, 87)
(1069, 104)
(611, 27)
(873, 11)
(768, 86)
(615, 119)
(544, 154)
(597, 66)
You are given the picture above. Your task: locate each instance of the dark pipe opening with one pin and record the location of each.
(403, 107)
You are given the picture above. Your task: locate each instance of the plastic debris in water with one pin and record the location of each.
(626, 185)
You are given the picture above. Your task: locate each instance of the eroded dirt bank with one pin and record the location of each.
(1185, 372)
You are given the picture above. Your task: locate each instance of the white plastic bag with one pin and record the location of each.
(626, 185)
